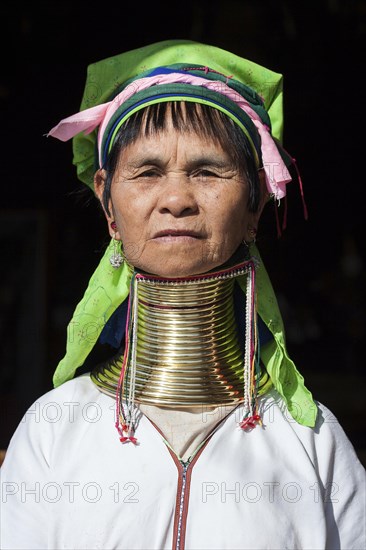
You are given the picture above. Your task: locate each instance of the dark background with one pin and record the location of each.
(53, 235)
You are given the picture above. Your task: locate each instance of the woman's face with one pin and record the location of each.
(179, 203)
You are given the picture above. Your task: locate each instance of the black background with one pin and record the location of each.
(53, 234)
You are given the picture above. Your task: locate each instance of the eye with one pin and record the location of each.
(149, 173)
(205, 173)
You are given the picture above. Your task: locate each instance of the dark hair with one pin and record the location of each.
(201, 119)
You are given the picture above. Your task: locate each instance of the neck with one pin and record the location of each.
(183, 347)
(188, 350)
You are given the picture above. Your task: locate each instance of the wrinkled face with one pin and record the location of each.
(179, 203)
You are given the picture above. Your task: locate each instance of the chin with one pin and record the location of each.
(173, 265)
(174, 270)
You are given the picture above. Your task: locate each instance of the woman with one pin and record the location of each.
(199, 431)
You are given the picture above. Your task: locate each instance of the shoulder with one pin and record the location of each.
(328, 436)
(334, 448)
(76, 404)
(80, 387)
(326, 445)
(57, 405)
(75, 399)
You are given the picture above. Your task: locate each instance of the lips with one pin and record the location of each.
(177, 233)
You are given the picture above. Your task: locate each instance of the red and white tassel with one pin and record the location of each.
(125, 420)
(251, 417)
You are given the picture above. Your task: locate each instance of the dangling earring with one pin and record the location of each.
(252, 233)
(117, 259)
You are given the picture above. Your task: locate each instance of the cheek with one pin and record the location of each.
(130, 232)
(128, 208)
(131, 211)
(230, 216)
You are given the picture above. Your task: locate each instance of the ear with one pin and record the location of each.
(254, 217)
(99, 186)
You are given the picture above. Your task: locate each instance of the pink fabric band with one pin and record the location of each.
(277, 175)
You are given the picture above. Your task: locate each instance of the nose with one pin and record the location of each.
(178, 197)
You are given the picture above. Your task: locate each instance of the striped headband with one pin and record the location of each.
(164, 84)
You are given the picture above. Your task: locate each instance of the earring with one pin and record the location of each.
(117, 259)
(253, 233)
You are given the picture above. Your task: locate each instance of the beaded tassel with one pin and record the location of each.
(125, 420)
(251, 357)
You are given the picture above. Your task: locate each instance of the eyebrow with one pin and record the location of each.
(193, 163)
(212, 161)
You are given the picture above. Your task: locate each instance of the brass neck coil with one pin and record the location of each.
(187, 344)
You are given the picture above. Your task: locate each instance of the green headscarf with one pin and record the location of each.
(105, 77)
(109, 287)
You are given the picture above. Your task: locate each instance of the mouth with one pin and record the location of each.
(172, 235)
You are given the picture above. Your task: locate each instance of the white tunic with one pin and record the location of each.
(69, 483)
